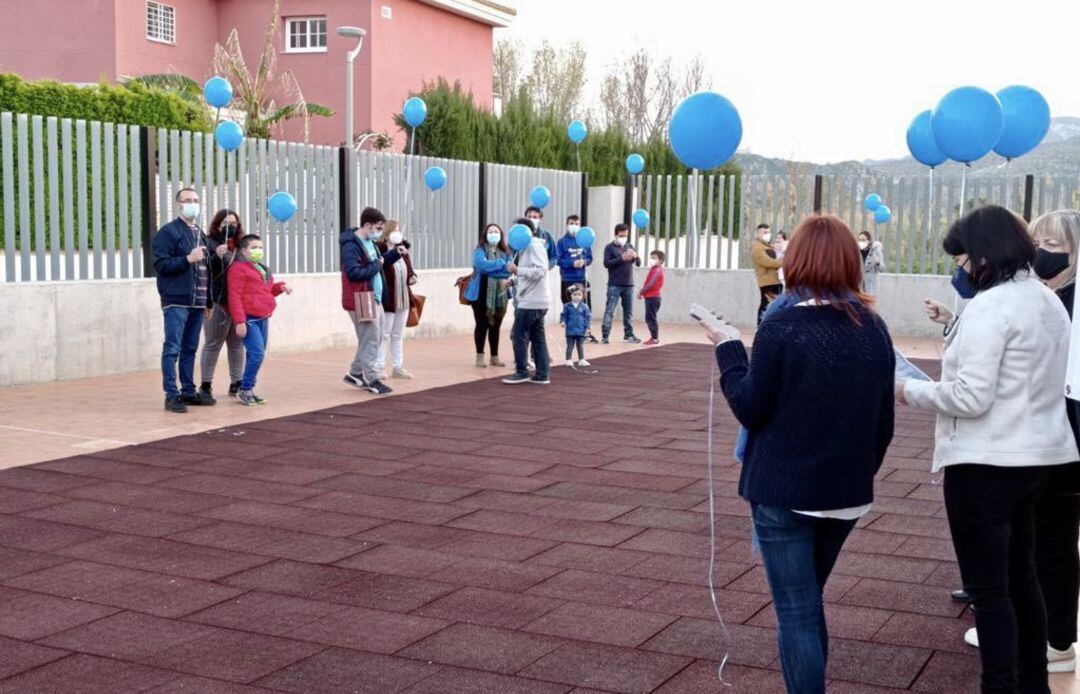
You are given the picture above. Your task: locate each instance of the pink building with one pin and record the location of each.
(408, 42)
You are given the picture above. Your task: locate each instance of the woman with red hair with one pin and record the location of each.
(817, 399)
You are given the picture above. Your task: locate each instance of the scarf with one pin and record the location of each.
(496, 293)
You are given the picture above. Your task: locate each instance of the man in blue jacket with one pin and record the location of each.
(183, 280)
(574, 261)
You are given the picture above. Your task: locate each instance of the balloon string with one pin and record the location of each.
(713, 378)
(963, 188)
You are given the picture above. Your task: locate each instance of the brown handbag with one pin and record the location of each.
(462, 284)
(416, 309)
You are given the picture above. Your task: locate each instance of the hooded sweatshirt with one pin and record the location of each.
(531, 279)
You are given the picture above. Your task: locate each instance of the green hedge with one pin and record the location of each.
(132, 103)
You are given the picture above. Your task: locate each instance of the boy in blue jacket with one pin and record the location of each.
(577, 318)
(574, 261)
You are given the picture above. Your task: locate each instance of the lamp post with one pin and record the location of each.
(358, 34)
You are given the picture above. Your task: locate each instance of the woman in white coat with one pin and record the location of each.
(1000, 427)
(873, 262)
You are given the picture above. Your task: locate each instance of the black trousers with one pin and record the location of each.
(992, 518)
(485, 330)
(768, 294)
(1057, 564)
(652, 307)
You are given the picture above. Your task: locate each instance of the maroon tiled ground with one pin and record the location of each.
(471, 539)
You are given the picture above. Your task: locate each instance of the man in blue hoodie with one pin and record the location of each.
(574, 261)
(183, 280)
(535, 215)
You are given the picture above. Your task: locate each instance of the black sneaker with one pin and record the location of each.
(605, 341)
(516, 378)
(379, 388)
(198, 399)
(234, 388)
(175, 404)
(246, 398)
(543, 381)
(632, 340)
(591, 339)
(960, 596)
(357, 380)
(258, 400)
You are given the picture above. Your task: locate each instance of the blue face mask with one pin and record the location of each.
(961, 282)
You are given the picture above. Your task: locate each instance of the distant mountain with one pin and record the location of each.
(1058, 154)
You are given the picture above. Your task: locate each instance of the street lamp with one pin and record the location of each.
(358, 34)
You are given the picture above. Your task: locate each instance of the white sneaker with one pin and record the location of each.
(530, 365)
(569, 363)
(1060, 661)
(402, 373)
(971, 637)
(584, 362)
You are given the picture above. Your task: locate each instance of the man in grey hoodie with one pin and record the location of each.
(529, 278)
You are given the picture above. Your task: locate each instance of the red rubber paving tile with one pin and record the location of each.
(526, 525)
(885, 567)
(240, 488)
(115, 470)
(591, 558)
(293, 518)
(754, 581)
(606, 667)
(461, 681)
(116, 519)
(504, 501)
(19, 656)
(154, 457)
(913, 525)
(264, 613)
(491, 608)
(18, 500)
(844, 621)
(946, 575)
(664, 567)
(670, 542)
(272, 542)
(614, 478)
(167, 596)
(147, 497)
(290, 577)
(34, 479)
(902, 597)
(384, 592)
(670, 519)
(234, 656)
(94, 675)
(385, 507)
(129, 636)
(260, 470)
(495, 574)
(613, 626)
(373, 631)
(31, 616)
(483, 648)
(202, 685)
(703, 677)
(694, 601)
(16, 562)
(394, 487)
(595, 588)
(163, 556)
(471, 479)
(876, 664)
(42, 536)
(922, 631)
(458, 541)
(77, 580)
(620, 495)
(927, 548)
(582, 510)
(950, 672)
(706, 639)
(338, 670)
(400, 561)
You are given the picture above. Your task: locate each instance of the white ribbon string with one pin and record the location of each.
(714, 377)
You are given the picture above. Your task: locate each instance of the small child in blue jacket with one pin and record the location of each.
(577, 318)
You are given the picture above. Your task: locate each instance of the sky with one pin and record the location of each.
(831, 80)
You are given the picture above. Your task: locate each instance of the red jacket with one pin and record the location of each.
(654, 282)
(249, 293)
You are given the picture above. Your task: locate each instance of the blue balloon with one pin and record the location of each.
(586, 237)
(540, 196)
(577, 131)
(435, 177)
(635, 163)
(967, 123)
(882, 214)
(218, 92)
(520, 236)
(641, 218)
(1027, 120)
(282, 206)
(228, 134)
(921, 142)
(415, 111)
(872, 201)
(705, 130)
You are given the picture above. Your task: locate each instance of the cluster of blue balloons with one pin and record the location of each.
(218, 93)
(882, 213)
(970, 122)
(705, 130)
(282, 206)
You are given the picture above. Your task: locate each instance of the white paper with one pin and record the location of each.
(907, 371)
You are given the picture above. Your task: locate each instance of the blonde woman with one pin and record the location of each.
(398, 277)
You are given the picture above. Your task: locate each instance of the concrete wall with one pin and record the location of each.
(64, 330)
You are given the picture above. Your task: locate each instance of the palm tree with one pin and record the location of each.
(254, 94)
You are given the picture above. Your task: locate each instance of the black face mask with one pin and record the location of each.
(1049, 265)
(229, 230)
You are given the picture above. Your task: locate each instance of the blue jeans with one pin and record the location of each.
(258, 332)
(529, 328)
(799, 552)
(182, 327)
(614, 294)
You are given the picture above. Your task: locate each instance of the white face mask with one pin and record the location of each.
(190, 211)
(577, 301)
(620, 240)
(573, 229)
(535, 222)
(766, 238)
(653, 262)
(863, 245)
(396, 237)
(494, 237)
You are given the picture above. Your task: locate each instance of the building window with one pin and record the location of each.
(160, 22)
(305, 35)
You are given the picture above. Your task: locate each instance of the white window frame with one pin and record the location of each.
(307, 21)
(160, 7)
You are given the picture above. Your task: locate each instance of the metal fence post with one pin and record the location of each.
(1029, 192)
(628, 198)
(584, 214)
(346, 214)
(148, 173)
(481, 193)
(818, 181)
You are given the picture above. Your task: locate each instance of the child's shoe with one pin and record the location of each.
(583, 362)
(258, 400)
(631, 340)
(651, 341)
(569, 363)
(246, 397)
(402, 374)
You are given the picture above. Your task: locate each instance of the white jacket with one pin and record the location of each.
(999, 401)
(531, 287)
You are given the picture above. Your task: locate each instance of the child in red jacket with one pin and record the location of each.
(650, 292)
(251, 303)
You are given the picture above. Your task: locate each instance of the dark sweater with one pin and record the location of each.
(818, 398)
(620, 272)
